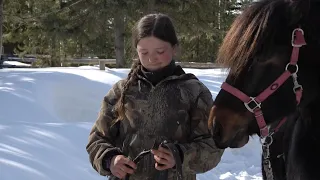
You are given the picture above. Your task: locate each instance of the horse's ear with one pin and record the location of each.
(298, 10)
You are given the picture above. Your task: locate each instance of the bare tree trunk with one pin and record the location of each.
(119, 38)
(219, 15)
(151, 5)
(53, 51)
(1, 22)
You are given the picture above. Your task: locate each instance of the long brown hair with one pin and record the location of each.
(254, 28)
(157, 25)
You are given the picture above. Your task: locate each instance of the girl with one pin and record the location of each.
(157, 102)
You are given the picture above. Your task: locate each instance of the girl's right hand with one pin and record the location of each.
(121, 166)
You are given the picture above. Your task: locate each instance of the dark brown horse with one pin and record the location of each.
(272, 51)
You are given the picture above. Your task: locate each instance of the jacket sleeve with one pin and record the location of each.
(102, 136)
(200, 154)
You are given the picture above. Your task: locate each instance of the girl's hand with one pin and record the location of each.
(121, 166)
(164, 158)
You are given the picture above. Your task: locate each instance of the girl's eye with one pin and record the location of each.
(161, 52)
(144, 53)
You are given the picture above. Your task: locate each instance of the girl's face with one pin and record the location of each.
(154, 53)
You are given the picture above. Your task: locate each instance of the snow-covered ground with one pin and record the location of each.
(15, 63)
(46, 115)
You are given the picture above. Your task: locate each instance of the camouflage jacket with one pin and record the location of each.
(175, 109)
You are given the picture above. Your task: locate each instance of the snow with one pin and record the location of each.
(15, 63)
(46, 115)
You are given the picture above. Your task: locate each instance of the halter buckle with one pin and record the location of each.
(255, 103)
(293, 37)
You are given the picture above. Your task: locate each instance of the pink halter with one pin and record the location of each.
(297, 42)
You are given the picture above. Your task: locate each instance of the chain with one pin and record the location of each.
(266, 157)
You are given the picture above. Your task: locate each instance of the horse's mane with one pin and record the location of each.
(256, 26)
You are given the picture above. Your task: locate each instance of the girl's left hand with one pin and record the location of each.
(164, 158)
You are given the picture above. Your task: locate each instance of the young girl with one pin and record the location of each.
(157, 103)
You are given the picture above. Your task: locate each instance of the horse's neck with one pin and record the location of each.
(309, 78)
(303, 158)
(311, 116)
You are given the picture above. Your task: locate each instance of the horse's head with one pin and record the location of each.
(261, 51)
